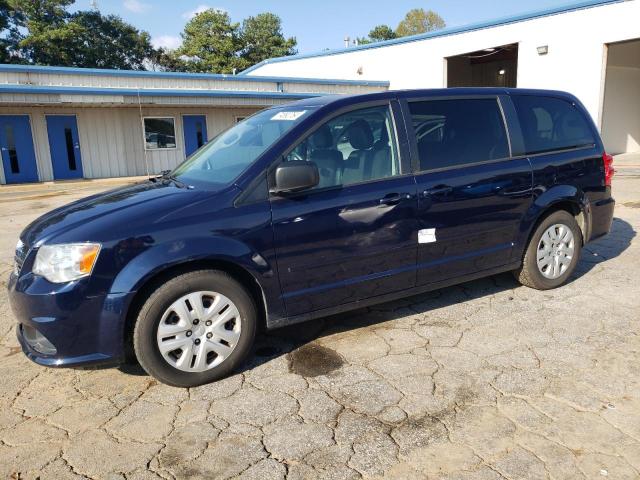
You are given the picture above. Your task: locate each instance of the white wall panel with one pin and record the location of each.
(574, 63)
(621, 117)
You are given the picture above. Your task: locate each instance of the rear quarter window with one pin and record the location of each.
(550, 124)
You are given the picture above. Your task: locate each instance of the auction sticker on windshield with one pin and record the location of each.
(288, 115)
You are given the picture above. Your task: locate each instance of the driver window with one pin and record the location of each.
(355, 147)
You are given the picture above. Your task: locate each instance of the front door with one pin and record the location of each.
(472, 194)
(195, 132)
(64, 146)
(16, 146)
(354, 236)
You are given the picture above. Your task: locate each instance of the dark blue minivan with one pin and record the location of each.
(306, 210)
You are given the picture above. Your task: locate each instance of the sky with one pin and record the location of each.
(316, 24)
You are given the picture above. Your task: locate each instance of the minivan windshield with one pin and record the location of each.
(226, 156)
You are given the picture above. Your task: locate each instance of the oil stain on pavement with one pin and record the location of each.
(312, 360)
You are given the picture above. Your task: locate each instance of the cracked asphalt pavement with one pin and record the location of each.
(486, 380)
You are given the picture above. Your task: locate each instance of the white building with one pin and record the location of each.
(63, 123)
(591, 49)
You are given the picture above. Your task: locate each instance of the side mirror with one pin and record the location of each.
(295, 176)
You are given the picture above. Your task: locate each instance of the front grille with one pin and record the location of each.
(20, 256)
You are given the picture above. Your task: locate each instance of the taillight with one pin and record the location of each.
(608, 169)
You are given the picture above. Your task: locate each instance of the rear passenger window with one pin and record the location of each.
(458, 132)
(356, 147)
(550, 124)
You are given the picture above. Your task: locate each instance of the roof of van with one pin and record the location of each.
(429, 92)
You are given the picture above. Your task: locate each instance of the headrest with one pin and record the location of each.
(360, 135)
(384, 135)
(322, 138)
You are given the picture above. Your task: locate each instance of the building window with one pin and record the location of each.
(11, 149)
(71, 154)
(159, 132)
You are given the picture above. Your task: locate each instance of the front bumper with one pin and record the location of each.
(84, 329)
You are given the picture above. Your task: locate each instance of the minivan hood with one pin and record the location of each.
(112, 209)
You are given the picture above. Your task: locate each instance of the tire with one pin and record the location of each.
(530, 273)
(204, 351)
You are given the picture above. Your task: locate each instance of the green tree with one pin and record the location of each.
(381, 33)
(5, 17)
(167, 60)
(377, 34)
(54, 36)
(211, 43)
(44, 22)
(98, 41)
(418, 21)
(262, 38)
(42, 14)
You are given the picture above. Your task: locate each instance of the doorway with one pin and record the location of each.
(491, 67)
(621, 105)
(16, 147)
(64, 146)
(195, 132)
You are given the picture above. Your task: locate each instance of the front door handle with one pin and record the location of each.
(394, 198)
(439, 190)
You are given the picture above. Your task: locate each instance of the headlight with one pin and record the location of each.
(66, 262)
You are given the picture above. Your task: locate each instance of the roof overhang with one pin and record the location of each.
(179, 76)
(24, 84)
(28, 94)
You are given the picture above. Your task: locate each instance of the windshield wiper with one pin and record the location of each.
(166, 175)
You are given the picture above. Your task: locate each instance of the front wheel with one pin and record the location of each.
(195, 329)
(553, 252)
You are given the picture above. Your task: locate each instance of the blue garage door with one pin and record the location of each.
(195, 132)
(16, 146)
(64, 146)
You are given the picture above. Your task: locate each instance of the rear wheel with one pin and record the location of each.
(195, 329)
(553, 252)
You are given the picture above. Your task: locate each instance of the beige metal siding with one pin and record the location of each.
(111, 139)
(110, 125)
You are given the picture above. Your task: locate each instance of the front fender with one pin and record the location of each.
(163, 256)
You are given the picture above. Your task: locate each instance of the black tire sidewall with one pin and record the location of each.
(542, 282)
(144, 337)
